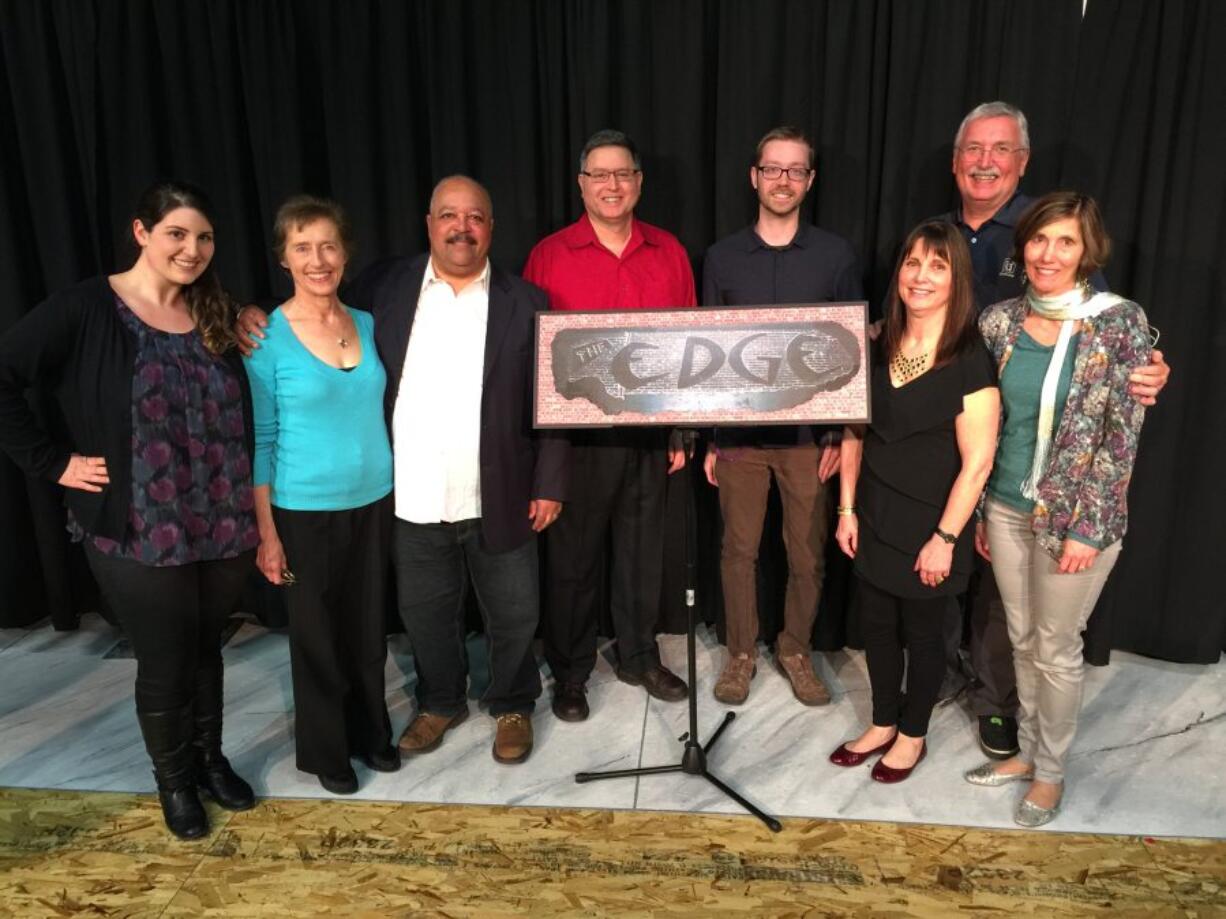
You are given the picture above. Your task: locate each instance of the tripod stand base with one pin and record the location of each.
(693, 762)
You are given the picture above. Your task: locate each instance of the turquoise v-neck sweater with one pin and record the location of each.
(321, 443)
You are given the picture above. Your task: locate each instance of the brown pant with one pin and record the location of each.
(744, 482)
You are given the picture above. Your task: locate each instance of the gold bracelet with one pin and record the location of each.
(847, 511)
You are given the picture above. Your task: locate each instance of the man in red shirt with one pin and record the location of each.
(608, 260)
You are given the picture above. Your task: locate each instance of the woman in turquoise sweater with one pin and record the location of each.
(323, 482)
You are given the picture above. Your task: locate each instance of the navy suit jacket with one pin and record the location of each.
(518, 463)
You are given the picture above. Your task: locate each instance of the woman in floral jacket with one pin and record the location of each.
(1056, 507)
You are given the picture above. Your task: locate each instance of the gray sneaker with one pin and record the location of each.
(806, 686)
(732, 687)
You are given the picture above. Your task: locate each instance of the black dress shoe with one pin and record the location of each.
(659, 682)
(341, 783)
(570, 702)
(998, 736)
(385, 760)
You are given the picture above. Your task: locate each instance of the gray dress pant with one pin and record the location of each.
(1047, 612)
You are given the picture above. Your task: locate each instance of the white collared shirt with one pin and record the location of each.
(436, 422)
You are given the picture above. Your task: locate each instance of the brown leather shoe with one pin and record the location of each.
(425, 732)
(806, 686)
(659, 682)
(513, 738)
(732, 687)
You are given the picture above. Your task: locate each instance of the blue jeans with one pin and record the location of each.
(435, 563)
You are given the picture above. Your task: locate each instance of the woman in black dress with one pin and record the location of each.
(909, 485)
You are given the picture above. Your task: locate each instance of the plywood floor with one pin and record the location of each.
(99, 854)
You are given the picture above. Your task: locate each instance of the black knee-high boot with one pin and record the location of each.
(168, 738)
(213, 771)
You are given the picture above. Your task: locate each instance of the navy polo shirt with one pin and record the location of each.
(817, 266)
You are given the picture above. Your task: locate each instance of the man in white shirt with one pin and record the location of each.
(474, 483)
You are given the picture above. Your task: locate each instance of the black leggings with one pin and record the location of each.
(173, 617)
(888, 624)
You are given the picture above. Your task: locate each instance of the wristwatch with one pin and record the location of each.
(945, 537)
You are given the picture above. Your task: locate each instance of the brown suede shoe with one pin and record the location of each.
(733, 684)
(425, 732)
(806, 686)
(513, 738)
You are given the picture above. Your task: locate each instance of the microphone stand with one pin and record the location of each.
(694, 755)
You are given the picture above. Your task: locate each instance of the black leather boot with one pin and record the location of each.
(168, 740)
(213, 771)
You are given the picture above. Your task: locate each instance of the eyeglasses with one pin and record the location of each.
(996, 151)
(603, 175)
(795, 173)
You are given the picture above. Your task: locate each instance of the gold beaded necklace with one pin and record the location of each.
(905, 369)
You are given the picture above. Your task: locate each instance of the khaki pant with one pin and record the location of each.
(744, 475)
(1046, 612)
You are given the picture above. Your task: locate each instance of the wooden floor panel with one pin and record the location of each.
(94, 854)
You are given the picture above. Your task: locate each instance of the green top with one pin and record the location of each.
(1021, 387)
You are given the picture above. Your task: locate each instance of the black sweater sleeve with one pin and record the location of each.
(34, 352)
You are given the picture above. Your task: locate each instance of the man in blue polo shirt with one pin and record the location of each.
(991, 152)
(777, 259)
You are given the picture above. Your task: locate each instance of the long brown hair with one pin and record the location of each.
(960, 329)
(211, 308)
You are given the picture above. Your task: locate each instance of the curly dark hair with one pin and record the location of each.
(211, 308)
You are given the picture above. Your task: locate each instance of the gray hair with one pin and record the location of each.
(609, 137)
(996, 110)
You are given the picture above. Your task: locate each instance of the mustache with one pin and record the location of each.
(462, 236)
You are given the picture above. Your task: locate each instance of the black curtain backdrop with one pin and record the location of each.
(371, 102)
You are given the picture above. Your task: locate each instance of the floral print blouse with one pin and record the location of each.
(191, 473)
(1084, 490)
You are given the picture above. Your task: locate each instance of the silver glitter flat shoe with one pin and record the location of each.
(1031, 815)
(988, 776)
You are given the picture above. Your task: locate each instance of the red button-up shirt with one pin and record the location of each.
(579, 273)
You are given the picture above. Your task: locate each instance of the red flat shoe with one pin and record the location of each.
(889, 775)
(844, 757)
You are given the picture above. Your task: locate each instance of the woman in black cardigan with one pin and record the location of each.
(156, 472)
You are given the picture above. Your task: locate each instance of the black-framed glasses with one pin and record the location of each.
(795, 173)
(603, 175)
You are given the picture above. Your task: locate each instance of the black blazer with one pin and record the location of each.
(518, 464)
(75, 345)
